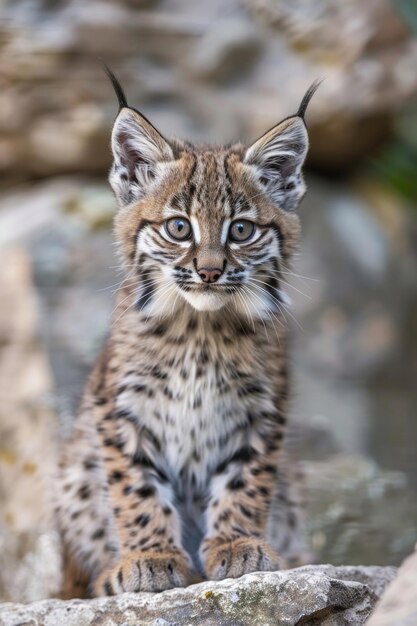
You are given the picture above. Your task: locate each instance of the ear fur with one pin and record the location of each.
(138, 150)
(278, 156)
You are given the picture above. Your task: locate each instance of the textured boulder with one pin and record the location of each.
(310, 595)
(182, 62)
(398, 606)
(29, 550)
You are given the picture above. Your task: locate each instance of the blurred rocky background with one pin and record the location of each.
(218, 72)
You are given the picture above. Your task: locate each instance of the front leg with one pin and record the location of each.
(237, 514)
(147, 525)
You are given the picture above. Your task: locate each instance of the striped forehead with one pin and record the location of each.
(211, 185)
(208, 194)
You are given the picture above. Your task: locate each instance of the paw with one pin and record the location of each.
(144, 571)
(231, 559)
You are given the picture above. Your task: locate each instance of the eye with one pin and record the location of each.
(178, 228)
(241, 230)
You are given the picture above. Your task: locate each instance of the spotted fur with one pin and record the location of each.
(176, 460)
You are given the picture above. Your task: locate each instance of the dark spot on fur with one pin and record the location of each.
(236, 483)
(203, 357)
(139, 388)
(143, 541)
(90, 464)
(192, 324)
(246, 512)
(146, 491)
(142, 520)
(98, 534)
(159, 330)
(250, 390)
(108, 588)
(143, 460)
(197, 402)
(110, 548)
(157, 373)
(116, 476)
(168, 393)
(84, 492)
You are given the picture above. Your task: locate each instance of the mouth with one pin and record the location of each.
(206, 297)
(208, 287)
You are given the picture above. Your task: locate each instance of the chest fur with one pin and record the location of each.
(193, 394)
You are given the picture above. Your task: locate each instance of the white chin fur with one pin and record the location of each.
(206, 301)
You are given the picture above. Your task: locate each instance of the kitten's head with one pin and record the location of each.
(211, 225)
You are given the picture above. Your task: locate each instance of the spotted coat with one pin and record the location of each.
(175, 463)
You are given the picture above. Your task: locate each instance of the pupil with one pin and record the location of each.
(240, 228)
(180, 226)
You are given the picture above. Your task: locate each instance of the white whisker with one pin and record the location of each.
(166, 289)
(247, 290)
(285, 283)
(282, 308)
(248, 310)
(268, 295)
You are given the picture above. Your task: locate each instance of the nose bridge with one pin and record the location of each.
(210, 252)
(210, 256)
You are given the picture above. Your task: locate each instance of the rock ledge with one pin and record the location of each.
(308, 595)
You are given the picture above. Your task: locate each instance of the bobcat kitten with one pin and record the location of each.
(175, 460)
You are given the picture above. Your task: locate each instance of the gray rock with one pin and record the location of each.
(349, 517)
(227, 52)
(398, 606)
(56, 106)
(30, 562)
(358, 230)
(310, 595)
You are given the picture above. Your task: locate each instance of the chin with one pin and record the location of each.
(205, 301)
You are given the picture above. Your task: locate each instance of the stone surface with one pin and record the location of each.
(398, 606)
(29, 550)
(322, 595)
(227, 52)
(183, 62)
(349, 510)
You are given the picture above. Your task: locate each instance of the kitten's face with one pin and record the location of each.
(211, 226)
(208, 232)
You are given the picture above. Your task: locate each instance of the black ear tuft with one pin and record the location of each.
(307, 97)
(121, 97)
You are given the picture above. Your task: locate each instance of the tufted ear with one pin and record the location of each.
(138, 152)
(278, 156)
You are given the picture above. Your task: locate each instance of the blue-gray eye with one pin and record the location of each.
(178, 228)
(241, 230)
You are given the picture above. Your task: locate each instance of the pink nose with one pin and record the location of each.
(209, 274)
